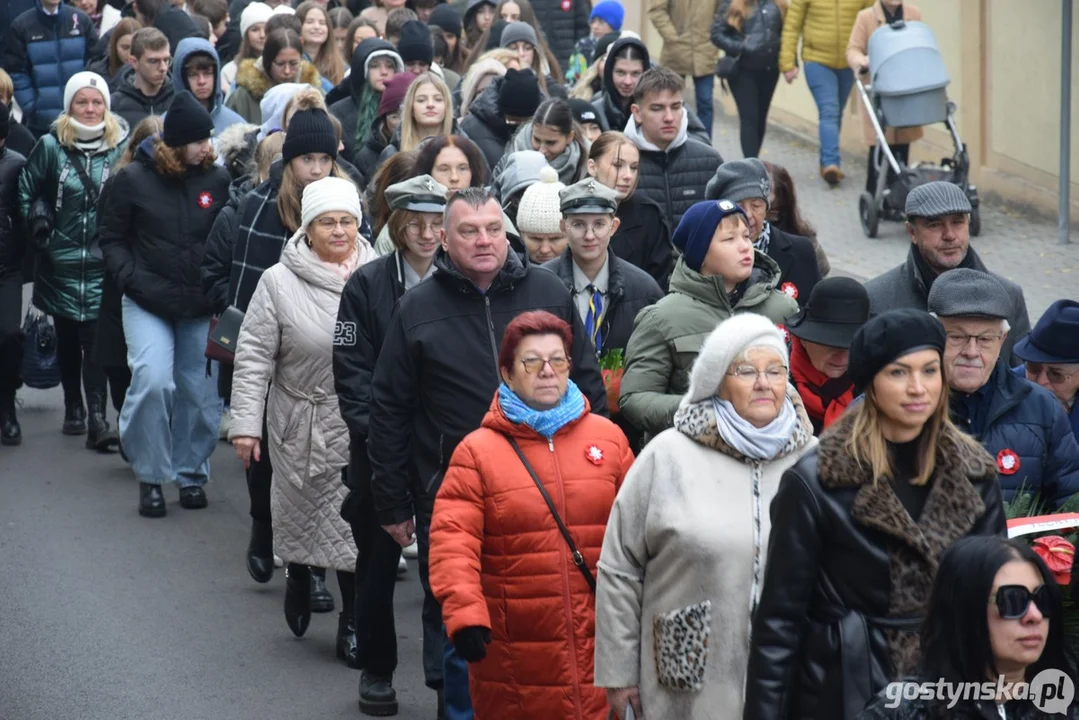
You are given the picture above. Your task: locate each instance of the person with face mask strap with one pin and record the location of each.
(996, 612)
(1050, 355)
(153, 233)
(281, 62)
(1021, 424)
(822, 333)
(66, 169)
(385, 125)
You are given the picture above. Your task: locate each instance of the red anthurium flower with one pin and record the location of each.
(1058, 554)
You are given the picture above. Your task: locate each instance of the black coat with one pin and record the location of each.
(563, 23)
(129, 103)
(438, 372)
(644, 238)
(110, 343)
(368, 158)
(154, 231)
(757, 45)
(19, 139)
(12, 236)
(485, 126)
(848, 575)
(675, 178)
(799, 272)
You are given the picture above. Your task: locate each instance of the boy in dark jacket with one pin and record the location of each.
(12, 247)
(145, 88)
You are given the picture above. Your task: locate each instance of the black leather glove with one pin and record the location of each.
(471, 643)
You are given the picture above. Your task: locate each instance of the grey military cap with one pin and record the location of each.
(420, 194)
(588, 196)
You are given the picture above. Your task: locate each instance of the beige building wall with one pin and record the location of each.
(1004, 60)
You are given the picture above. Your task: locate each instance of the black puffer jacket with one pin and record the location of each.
(644, 238)
(757, 45)
(154, 234)
(438, 371)
(674, 178)
(563, 23)
(110, 344)
(366, 158)
(129, 103)
(12, 237)
(485, 126)
(344, 100)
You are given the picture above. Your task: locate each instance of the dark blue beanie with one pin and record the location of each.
(697, 226)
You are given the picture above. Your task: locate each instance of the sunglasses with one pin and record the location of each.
(1056, 376)
(1013, 601)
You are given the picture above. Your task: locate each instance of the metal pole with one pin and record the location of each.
(1064, 211)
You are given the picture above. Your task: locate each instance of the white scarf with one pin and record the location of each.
(88, 137)
(755, 443)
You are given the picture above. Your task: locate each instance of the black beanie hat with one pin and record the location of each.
(5, 121)
(309, 131)
(447, 18)
(186, 121)
(415, 44)
(888, 337)
(519, 95)
(494, 39)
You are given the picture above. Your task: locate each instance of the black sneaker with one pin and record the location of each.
(151, 501)
(192, 497)
(10, 431)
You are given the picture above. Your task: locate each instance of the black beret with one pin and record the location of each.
(890, 336)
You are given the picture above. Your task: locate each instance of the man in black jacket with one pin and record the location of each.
(675, 168)
(747, 183)
(12, 247)
(145, 87)
(438, 372)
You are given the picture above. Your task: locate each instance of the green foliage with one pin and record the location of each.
(612, 360)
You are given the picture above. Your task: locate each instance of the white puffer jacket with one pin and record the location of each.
(287, 337)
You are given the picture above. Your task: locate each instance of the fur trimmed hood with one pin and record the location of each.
(250, 75)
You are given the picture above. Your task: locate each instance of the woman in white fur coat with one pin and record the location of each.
(287, 336)
(683, 556)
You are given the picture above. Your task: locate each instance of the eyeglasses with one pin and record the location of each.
(748, 374)
(291, 65)
(600, 228)
(1056, 376)
(533, 365)
(329, 224)
(1013, 601)
(415, 228)
(985, 342)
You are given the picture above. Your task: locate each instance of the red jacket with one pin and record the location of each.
(498, 561)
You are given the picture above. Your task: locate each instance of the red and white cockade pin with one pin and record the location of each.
(1007, 462)
(566, 5)
(786, 333)
(205, 200)
(594, 454)
(789, 289)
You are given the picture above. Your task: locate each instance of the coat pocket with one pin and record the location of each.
(681, 646)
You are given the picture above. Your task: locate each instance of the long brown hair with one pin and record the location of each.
(784, 213)
(147, 127)
(169, 161)
(125, 27)
(329, 61)
(741, 9)
(290, 195)
(397, 168)
(398, 226)
(612, 141)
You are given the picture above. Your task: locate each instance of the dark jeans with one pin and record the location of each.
(74, 344)
(752, 91)
(431, 615)
(259, 475)
(902, 154)
(11, 338)
(703, 88)
(119, 380)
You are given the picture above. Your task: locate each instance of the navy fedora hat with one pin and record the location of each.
(1055, 339)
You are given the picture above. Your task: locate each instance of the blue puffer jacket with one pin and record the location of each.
(41, 54)
(1028, 433)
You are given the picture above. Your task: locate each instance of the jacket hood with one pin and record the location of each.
(357, 78)
(522, 169)
(273, 105)
(496, 420)
(485, 108)
(709, 289)
(236, 148)
(186, 48)
(636, 136)
(125, 85)
(513, 270)
(608, 67)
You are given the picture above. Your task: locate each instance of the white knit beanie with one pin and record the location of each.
(86, 79)
(730, 339)
(253, 14)
(540, 210)
(282, 10)
(328, 195)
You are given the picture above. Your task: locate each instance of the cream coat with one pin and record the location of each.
(286, 343)
(681, 533)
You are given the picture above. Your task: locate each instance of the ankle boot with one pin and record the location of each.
(321, 598)
(100, 435)
(297, 598)
(74, 418)
(260, 552)
(377, 696)
(346, 640)
(10, 432)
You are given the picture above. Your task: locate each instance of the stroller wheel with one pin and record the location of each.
(867, 213)
(975, 222)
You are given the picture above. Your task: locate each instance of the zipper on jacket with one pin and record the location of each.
(431, 482)
(491, 334)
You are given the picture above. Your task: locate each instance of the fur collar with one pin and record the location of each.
(698, 421)
(954, 504)
(250, 75)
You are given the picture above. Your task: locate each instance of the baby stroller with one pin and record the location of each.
(907, 88)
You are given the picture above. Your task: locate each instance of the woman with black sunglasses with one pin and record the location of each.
(1015, 635)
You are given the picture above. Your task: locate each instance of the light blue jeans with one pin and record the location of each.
(830, 89)
(170, 419)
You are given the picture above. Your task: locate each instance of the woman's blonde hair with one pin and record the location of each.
(411, 137)
(7, 88)
(306, 99)
(66, 134)
(169, 161)
(329, 61)
(267, 151)
(583, 88)
(290, 194)
(740, 9)
(492, 63)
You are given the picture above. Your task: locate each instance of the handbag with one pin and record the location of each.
(224, 333)
(40, 365)
(578, 559)
(727, 66)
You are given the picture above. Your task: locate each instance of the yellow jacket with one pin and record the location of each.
(686, 29)
(824, 26)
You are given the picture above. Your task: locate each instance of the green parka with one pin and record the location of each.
(668, 335)
(68, 276)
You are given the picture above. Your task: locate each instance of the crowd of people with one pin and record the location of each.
(468, 282)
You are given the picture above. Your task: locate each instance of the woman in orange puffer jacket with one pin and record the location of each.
(514, 604)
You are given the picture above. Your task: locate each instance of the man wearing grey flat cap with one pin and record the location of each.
(1021, 424)
(938, 222)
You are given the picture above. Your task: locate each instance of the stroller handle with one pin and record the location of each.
(882, 142)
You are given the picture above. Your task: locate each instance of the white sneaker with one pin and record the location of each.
(411, 552)
(223, 429)
(402, 567)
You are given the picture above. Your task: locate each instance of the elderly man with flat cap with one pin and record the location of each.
(938, 221)
(1022, 425)
(1050, 355)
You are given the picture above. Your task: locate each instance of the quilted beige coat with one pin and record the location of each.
(286, 343)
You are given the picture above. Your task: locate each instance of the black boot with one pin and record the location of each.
(151, 501)
(297, 598)
(74, 418)
(10, 432)
(441, 704)
(346, 641)
(260, 552)
(100, 436)
(321, 598)
(377, 696)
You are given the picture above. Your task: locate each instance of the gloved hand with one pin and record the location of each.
(471, 643)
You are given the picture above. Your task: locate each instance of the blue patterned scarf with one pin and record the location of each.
(545, 422)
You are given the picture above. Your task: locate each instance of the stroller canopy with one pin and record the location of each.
(908, 76)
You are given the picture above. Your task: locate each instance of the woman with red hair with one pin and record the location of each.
(525, 499)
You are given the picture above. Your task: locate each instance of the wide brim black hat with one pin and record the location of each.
(832, 334)
(836, 309)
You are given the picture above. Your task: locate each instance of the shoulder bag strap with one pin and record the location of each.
(578, 559)
(87, 183)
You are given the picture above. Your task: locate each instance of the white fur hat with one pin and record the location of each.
(730, 339)
(540, 210)
(253, 14)
(86, 79)
(327, 195)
